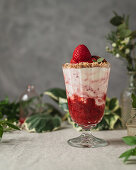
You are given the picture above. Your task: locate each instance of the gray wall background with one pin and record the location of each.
(38, 36)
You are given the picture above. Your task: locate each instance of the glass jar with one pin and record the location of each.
(30, 103)
(131, 123)
(125, 100)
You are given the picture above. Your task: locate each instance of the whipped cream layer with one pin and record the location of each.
(87, 82)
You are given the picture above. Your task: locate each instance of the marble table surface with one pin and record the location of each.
(21, 150)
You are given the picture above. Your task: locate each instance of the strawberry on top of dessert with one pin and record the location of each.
(82, 54)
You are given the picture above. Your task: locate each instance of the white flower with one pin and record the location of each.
(15, 123)
(125, 41)
(127, 51)
(107, 48)
(117, 55)
(113, 44)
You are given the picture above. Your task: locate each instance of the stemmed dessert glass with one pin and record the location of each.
(86, 87)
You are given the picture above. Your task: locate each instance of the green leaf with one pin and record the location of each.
(113, 104)
(102, 125)
(117, 111)
(133, 34)
(107, 101)
(122, 27)
(118, 124)
(127, 21)
(100, 59)
(50, 109)
(111, 120)
(11, 125)
(94, 61)
(130, 140)
(128, 153)
(1, 131)
(125, 33)
(42, 123)
(1, 116)
(133, 97)
(112, 114)
(63, 104)
(10, 110)
(116, 20)
(56, 94)
(64, 107)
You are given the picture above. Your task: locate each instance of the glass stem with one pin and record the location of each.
(87, 132)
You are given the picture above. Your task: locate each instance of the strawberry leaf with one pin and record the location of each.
(100, 59)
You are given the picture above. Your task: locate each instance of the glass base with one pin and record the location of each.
(87, 140)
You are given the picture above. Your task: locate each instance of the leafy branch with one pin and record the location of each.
(9, 110)
(122, 40)
(9, 114)
(131, 141)
(7, 126)
(49, 118)
(43, 117)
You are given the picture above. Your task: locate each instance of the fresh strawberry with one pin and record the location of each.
(72, 61)
(81, 54)
(90, 61)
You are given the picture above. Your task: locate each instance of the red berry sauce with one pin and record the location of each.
(84, 111)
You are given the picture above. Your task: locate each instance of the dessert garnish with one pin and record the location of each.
(82, 54)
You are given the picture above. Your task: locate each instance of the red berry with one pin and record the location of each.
(104, 60)
(81, 54)
(21, 120)
(90, 61)
(72, 61)
(95, 57)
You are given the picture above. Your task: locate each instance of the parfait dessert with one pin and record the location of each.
(86, 80)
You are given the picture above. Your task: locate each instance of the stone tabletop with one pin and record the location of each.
(21, 150)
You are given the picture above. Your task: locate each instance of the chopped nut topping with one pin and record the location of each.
(86, 65)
